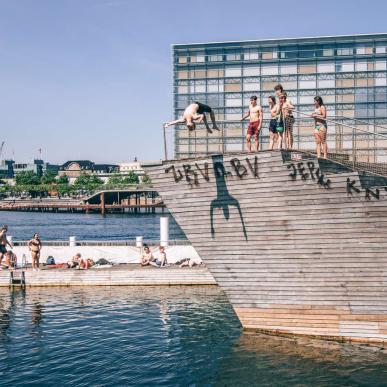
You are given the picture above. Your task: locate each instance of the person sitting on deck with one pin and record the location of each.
(146, 257)
(195, 112)
(162, 260)
(74, 261)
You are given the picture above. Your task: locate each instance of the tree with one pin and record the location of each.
(48, 177)
(131, 178)
(146, 179)
(115, 179)
(88, 182)
(63, 179)
(27, 178)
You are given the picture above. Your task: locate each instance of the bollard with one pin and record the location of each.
(164, 231)
(10, 240)
(139, 241)
(72, 241)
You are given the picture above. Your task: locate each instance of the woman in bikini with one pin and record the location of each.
(35, 245)
(320, 127)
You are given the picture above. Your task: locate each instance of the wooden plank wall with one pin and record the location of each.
(303, 254)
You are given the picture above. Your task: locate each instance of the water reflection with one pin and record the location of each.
(160, 336)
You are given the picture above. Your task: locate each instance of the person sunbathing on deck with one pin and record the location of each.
(146, 257)
(74, 261)
(162, 260)
(195, 112)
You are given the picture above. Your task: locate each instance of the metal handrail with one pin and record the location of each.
(361, 121)
(342, 124)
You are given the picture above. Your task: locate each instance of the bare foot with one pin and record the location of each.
(209, 130)
(215, 128)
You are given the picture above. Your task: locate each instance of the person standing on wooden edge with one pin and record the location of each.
(255, 125)
(3, 243)
(196, 112)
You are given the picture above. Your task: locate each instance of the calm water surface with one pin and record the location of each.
(53, 226)
(177, 336)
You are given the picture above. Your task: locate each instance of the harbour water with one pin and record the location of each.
(167, 336)
(51, 226)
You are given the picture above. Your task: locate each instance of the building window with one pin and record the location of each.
(269, 70)
(233, 56)
(233, 72)
(345, 67)
(344, 51)
(215, 58)
(288, 69)
(251, 55)
(380, 49)
(198, 58)
(251, 71)
(380, 65)
(311, 84)
(361, 66)
(328, 52)
(325, 83)
(182, 59)
(325, 68)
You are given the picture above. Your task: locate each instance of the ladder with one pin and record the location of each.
(17, 278)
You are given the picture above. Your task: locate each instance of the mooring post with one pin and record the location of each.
(164, 231)
(103, 209)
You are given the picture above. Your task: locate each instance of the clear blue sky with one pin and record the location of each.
(92, 79)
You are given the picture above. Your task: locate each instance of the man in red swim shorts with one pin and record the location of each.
(254, 128)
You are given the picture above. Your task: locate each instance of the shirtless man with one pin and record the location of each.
(195, 112)
(254, 128)
(287, 110)
(3, 242)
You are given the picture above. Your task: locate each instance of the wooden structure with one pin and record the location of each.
(107, 201)
(298, 244)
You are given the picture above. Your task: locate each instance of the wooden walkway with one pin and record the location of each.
(120, 275)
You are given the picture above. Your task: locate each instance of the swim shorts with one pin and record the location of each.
(3, 249)
(253, 128)
(203, 108)
(273, 125)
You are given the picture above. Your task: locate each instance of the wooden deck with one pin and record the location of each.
(120, 275)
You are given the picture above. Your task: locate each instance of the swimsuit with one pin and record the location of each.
(253, 128)
(203, 108)
(3, 249)
(273, 125)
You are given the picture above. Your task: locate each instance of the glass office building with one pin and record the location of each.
(348, 72)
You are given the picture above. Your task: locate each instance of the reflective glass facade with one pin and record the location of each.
(348, 72)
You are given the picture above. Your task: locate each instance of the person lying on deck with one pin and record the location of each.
(196, 112)
(85, 264)
(74, 261)
(162, 260)
(146, 257)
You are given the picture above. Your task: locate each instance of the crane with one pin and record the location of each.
(1, 148)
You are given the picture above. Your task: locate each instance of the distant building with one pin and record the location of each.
(11, 168)
(6, 169)
(74, 168)
(131, 166)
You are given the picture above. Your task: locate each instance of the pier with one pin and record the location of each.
(138, 201)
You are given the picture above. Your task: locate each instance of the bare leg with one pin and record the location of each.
(318, 143)
(280, 140)
(271, 143)
(257, 141)
(206, 124)
(212, 116)
(248, 143)
(324, 144)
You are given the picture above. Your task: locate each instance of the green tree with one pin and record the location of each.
(48, 177)
(131, 178)
(27, 178)
(88, 182)
(63, 179)
(115, 179)
(146, 179)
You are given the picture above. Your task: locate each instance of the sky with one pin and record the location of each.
(92, 79)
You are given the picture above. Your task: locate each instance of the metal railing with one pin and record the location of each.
(347, 143)
(348, 140)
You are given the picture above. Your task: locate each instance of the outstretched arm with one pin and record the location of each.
(179, 121)
(247, 114)
(260, 117)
